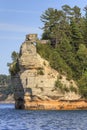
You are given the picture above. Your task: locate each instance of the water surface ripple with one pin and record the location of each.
(11, 119)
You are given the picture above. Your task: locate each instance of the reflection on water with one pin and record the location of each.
(11, 119)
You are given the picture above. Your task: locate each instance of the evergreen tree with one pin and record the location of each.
(55, 26)
(83, 85)
(76, 14)
(85, 29)
(76, 36)
(14, 56)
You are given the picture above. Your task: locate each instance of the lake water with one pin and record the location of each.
(11, 119)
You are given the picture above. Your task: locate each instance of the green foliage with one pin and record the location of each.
(58, 84)
(14, 66)
(76, 36)
(83, 85)
(54, 28)
(14, 56)
(57, 23)
(6, 87)
(82, 58)
(54, 58)
(73, 89)
(58, 63)
(10, 89)
(66, 89)
(40, 71)
(85, 26)
(67, 31)
(44, 50)
(4, 79)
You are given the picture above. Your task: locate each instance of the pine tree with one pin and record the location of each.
(76, 36)
(85, 29)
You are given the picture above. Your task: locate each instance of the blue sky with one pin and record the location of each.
(21, 17)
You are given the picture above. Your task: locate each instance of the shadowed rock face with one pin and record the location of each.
(36, 81)
(18, 92)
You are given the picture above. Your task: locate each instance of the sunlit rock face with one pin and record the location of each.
(35, 82)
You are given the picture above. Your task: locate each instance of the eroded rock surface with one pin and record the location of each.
(35, 82)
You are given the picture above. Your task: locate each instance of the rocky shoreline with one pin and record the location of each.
(8, 100)
(54, 105)
(51, 105)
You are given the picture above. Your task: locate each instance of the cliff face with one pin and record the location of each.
(35, 82)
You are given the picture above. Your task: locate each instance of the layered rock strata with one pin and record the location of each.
(35, 83)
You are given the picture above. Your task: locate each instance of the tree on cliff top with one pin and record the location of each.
(14, 67)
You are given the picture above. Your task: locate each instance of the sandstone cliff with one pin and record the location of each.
(35, 82)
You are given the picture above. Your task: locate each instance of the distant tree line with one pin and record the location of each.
(6, 87)
(4, 80)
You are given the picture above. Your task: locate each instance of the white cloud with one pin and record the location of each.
(18, 11)
(13, 28)
(18, 28)
(10, 38)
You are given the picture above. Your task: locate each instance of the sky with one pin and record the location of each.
(21, 17)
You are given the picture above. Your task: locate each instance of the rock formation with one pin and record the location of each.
(35, 82)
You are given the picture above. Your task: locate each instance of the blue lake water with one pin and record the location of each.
(11, 119)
